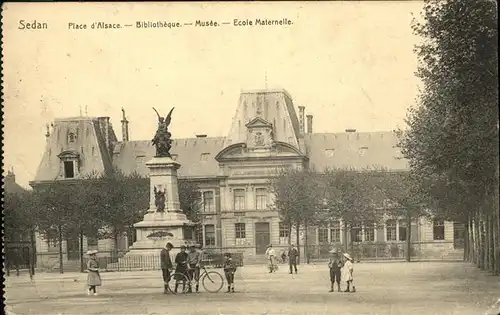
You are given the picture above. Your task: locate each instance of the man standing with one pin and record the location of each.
(194, 262)
(271, 256)
(166, 265)
(293, 255)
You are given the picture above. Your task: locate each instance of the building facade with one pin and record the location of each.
(233, 172)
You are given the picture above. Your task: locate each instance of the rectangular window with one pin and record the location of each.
(199, 234)
(369, 232)
(284, 232)
(261, 198)
(335, 233)
(438, 230)
(390, 226)
(357, 233)
(239, 199)
(208, 201)
(323, 235)
(209, 235)
(69, 171)
(402, 230)
(240, 233)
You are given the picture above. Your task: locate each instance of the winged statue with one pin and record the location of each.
(162, 140)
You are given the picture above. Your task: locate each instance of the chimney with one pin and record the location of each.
(124, 127)
(10, 177)
(201, 136)
(309, 123)
(301, 120)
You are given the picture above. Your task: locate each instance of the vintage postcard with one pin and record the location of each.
(250, 157)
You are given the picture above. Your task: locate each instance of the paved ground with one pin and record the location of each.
(383, 288)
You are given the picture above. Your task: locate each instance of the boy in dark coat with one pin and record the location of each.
(335, 264)
(229, 270)
(181, 267)
(166, 265)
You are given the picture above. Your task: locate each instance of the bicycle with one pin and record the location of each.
(212, 281)
(179, 278)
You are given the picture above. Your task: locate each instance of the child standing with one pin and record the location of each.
(93, 277)
(348, 270)
(335, 264)
(229, 270)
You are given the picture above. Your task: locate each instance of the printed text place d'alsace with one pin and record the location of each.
(41, 25)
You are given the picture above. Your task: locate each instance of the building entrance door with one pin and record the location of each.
(262, 237)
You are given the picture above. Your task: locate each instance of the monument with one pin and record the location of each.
(164, 221)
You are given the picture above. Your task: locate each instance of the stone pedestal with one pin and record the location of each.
(163, 176)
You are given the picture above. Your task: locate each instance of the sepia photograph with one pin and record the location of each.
(254, 158)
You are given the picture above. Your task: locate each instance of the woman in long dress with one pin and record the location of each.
(93, 277)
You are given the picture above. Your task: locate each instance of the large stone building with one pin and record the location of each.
(233, 171)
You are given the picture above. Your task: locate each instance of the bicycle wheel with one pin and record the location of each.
(213, 281)
(178, 283)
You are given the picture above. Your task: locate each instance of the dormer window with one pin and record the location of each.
(69, 169)
(362, 150)
(69, 164)
(204, 156)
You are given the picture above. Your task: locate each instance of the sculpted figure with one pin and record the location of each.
(159, 199)
(162, 140)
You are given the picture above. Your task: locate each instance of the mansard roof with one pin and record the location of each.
(274, 106)
(196, 156)
(358, 150)
(87, 138)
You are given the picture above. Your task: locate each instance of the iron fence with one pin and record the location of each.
(365, 251)
(125, 262)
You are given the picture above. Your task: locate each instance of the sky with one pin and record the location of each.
(351, 64)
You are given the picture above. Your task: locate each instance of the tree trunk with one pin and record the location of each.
(289, 233)
(33, 252)
(472, 249)
(485, 242)
(82, 266)
(297, 236)
(466, 241)
(60, 238)
(306, 249)
(346, 244)
(408, 238)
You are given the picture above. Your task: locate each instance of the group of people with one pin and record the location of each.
(293, 255)
(188, 264)
(341, 267)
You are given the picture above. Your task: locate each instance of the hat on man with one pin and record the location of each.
(183, 246)
(169, 245)
(91, 252)
(270, 245)
(346, 255)
(332, 251)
